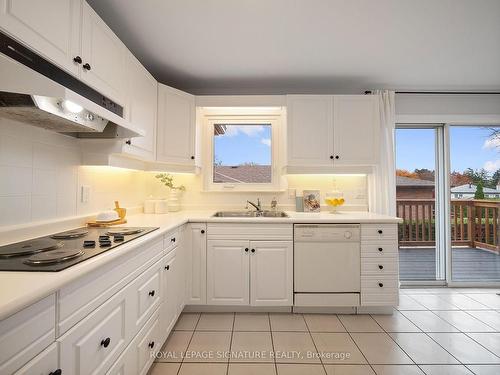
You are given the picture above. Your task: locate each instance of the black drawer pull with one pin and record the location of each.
(86, 66)
(105, 342)
(128, 141)
(253, 250)
(331, 156)
(202, 231)
(337, 157)
(167, 267)
(152, 293)
(151, 344)
(172, 239)
(380, 285)
(56, 372)
(77, 59)
(246, 249)
(380, 249)
(380, 231)
(380, 266)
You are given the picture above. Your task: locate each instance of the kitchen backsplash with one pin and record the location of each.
(40, 177)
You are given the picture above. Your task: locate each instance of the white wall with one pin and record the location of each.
(40, 176)
(353, 187)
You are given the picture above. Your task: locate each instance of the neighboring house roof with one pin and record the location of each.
(471, 189)
(242, 173)
(407, 181)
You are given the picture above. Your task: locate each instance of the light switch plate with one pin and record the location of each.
(85, 194)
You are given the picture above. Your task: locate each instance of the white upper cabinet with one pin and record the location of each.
(104, 56)
(326, 132)
(176, 127)
(141, 109)
(310, 130)
(356, 129)
(50, 27)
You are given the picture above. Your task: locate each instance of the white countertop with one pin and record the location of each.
(20, 289)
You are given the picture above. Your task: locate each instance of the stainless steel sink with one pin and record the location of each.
(250, 214)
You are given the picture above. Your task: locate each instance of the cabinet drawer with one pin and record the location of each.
(379, 232)
(95, 343)
(171, 240)
(26, 333)
(44, 363)
(133, 360)
(384, 266)
(83, 296)
(148, 291)
(379, 249)
(371, 298)
(380, 283)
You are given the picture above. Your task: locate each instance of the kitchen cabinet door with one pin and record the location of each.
(356, 129)
(271, 273)
(196, 259)
(56, 37)
(310, 130)
(228, 272)
(176, 127)
(141, 109)
(180, 270)
(104, 57)
(170, 288)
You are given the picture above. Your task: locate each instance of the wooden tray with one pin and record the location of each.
(101, 224)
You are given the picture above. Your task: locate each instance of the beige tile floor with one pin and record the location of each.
(434, 331)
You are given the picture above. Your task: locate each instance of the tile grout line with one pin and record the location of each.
(314, 343)
(272, 344)
(189, 343)
(230, 344)
(355, 343)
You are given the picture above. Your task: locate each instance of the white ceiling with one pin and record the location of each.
(312, 46)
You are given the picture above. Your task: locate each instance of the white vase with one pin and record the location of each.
(174, 204)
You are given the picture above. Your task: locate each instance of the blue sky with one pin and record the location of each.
(244, 143)
(469, 148)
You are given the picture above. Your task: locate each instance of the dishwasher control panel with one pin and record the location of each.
(327, 232)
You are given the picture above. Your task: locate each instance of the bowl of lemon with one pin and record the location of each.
(334, 201)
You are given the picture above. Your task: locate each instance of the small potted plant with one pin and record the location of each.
(173, 199)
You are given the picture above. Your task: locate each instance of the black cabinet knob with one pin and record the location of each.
(77, 59)
(380, 249)
(167, 267)
(152, 293)
(86, 66)
(331, 157)
(192, 157)
(380, 266)
(151, 344)
(380, 231)
(380, 285)
(337, 157)
(246, 249)
(172, 239)
(253, 250)
(56, 372)
(129, 142)
(105, 342)
(202, 231)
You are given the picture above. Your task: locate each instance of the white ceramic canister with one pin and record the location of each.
(161, 206)
(149, 205)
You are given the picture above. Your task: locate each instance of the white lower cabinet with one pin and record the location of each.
(243, 272)
(169, 306)
(45, 363)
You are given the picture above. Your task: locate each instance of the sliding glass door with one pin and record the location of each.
(418, 175)
(474, 204)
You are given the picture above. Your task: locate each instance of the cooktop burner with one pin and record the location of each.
(74, 233)
(29, 247)
(124, 231)
(65, 249)
(52, 257)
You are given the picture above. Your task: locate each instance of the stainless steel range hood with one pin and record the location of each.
(31, 97)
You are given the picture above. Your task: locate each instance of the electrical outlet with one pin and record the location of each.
(85, 194)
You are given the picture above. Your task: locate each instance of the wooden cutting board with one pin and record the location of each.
(102, 224)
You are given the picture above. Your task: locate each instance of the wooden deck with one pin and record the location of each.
(469, 264)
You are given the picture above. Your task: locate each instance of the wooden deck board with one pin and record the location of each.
(468, 264)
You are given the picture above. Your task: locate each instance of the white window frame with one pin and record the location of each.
(268, 117)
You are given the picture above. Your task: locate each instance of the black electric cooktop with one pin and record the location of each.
(65, 249)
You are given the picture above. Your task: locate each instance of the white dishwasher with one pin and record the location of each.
(327, 264)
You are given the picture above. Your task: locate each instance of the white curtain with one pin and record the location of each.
(382, 182)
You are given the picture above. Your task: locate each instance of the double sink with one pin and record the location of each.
(262, 213)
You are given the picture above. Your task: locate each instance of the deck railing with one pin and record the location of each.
(474, 223)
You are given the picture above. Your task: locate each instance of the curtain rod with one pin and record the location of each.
(443, 92)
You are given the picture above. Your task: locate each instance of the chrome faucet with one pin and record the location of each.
(256, 206)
